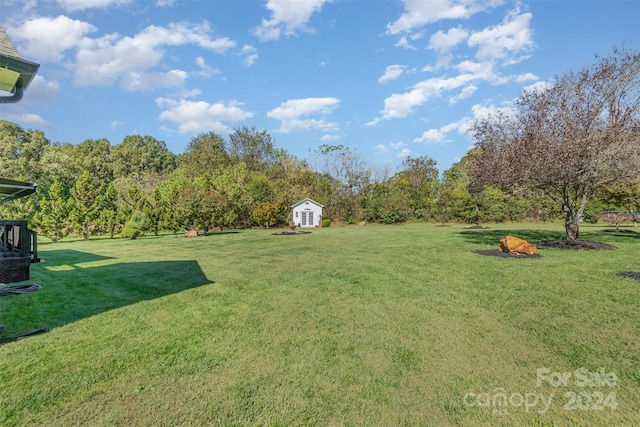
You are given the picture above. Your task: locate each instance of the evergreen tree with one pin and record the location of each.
(52, 218)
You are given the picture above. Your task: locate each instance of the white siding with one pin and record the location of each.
(307, 213)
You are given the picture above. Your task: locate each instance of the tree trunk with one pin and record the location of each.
(572, 224)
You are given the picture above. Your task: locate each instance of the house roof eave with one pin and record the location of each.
(306, 200)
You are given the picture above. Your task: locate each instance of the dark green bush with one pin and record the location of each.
(135, 227)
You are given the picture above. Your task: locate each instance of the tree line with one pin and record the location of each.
(570, 151)
(139, 186)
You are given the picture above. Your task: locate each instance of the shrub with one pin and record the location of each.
(326, 222)
(135, 227)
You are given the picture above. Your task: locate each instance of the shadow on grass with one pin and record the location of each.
(493, 236)
(73, 289)
(626, 233)
(69, 256)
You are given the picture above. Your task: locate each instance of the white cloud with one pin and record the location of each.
(21, 114)
(479, 112)
(177, 34)
(439, 136)
(526, 77)
(205, 70)
(287, 17)
(112, 58)
(165, 3)
(419, 13)
(398, 147)
(444, 42)
(47, 39)
(466, 92)
(484, 111)
(290, 114)
(460, 125)
(73, 5)
(538, 87)
(392, 72)
(201, 116)
(403, 42)
(512, 36)
(143, 81)
(401, 105)
(26, 6)
(30, 119)
(482, 70)
(250, 54)
(432, 136)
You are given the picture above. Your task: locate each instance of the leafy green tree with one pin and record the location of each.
(175, 217)
(231, 186)
(94, 155)
(623, 193)
(267, 213)
(138, 155)
(155, 209)
(349, 176)
(21, 152)
(419, 181)
(386, 202)
(202, 206)
(52, 219)
(85, 204)
(252, 147)
(205, 153)
(58, 163)
(24, 208)
(110, 220)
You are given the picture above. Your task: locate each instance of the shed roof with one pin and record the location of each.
(12, 189)
(306, 200)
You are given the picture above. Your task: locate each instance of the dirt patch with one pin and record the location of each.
(631, 274)
(574, 244)
(475, 227)
(290, 233)
(499, 253)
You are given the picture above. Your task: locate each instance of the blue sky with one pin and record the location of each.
(387, 78)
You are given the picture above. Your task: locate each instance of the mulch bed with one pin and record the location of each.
(574, 244)
(631, 274)
(499, 253)
(290, 233)
(557, 244)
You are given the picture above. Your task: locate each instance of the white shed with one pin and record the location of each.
(307, 213)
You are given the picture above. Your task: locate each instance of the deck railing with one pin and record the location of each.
(18, 249)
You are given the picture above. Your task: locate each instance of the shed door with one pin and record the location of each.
(304, 219)
(311, 218)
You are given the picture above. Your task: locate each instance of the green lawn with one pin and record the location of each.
(375, 325)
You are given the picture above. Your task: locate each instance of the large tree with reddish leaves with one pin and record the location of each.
(567, 140)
